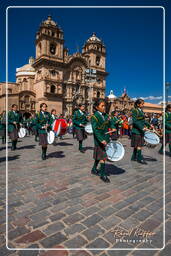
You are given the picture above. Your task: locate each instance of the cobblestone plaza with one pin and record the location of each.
(57, 203)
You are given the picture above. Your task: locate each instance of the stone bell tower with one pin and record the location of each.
(49, 65)
(49, 40)
(95, 51)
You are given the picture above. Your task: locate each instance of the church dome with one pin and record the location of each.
(27, 69)
(111, 95)
(94, 39)
(49, 21)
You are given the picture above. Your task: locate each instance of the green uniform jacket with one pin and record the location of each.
(41, 120)
(167, 122)
(100, 127)
(114, 122)
(12, 118)
(138, 121)
(78, 119)
(2, 122)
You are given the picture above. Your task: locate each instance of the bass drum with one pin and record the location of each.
(115, 151)
(56, 127)
(22, 132)
(89, 129)
(151, 139)
(64, 126)
(50, 137)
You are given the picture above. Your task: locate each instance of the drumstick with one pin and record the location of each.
(109, 132)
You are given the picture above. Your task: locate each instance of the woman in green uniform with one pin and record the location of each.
(43, 123)
(13, 126)
(139, 125)
(167, 129)
(100, 124)
(79, 122)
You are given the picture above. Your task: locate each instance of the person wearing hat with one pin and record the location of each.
(79, 121)
(13, 125)
(43, 123)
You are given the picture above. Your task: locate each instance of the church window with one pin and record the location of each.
(48, 32)
(52, 48)
(98, 94)
(53, 72)
(98, 60)
(53, 33)
(9, 90)
(52, 89)
(26, 99)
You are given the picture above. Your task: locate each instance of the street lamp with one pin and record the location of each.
(167, 86)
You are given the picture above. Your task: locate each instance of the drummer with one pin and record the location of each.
(139, 125)
(100, 124)
(79, 122)
(43, 122)
(13, 126)
(115, 122)
(167, 129)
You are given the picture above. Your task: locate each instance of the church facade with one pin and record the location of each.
(60, 80)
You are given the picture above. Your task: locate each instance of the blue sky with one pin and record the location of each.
(133, 39)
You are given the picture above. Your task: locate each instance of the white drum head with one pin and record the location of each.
(89, 129)
(22, 132)
(50, 137)
(151, 138)
(115, 151)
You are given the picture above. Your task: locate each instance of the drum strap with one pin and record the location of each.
(101, 127)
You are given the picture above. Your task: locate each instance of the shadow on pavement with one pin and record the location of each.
(167, 153)
(57, 154)
(27, 147)
(64, 144)
(114, 170)
(87, 148)
(10, 158)
(148, 158)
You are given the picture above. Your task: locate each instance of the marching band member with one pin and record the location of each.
(115, 122)
(43, 123)
(167, 129)
(100, 124)
(13, 126)
(3, 127)
(138, 129)
(79, 122)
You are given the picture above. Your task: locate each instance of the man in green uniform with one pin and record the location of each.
(79, 122)
(115, 124)
(167, 129)
(13, 125)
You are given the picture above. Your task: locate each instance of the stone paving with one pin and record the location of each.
(57, 203)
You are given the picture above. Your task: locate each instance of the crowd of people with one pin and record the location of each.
(105, 127)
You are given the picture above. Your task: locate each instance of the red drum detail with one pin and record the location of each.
(63, 126)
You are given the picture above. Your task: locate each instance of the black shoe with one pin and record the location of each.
(160, 152)
(82, 150)
(95, 172)
(43, 157)
(142, 161)
(133, 159)
(105, 179)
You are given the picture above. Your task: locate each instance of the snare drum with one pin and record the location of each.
(151, 139)
(115, 151)
(50, 137)
(22, 132)
(89, 129)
